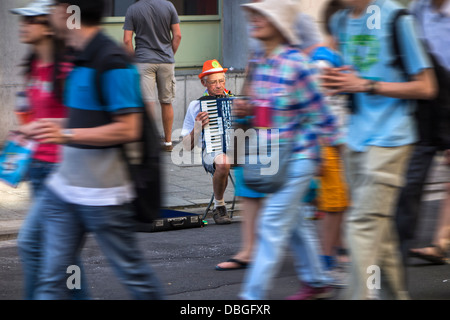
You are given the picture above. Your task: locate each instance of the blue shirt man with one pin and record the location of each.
(379, 120)
(381, 131)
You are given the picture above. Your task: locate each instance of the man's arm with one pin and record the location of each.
(189, 139)
(201, 120)
(128, 41)
(124, 128)
(176, 37)
(422, 85)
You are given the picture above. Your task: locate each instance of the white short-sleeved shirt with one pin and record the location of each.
(189, 120)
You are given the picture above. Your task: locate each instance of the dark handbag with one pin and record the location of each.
(143, 157)
(146, 172)
(265, 169)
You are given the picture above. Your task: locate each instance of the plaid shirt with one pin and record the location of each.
(286, 81)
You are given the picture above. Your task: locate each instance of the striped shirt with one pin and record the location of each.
(286, 81)
(90, 175)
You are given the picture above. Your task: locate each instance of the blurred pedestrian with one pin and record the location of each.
(437, 251)
(380, 135)
(90, 190)
(298, 111)
(305, 28)
(251, 201)
(433, 116)
(158, 36)
(45, 71)
(333, 198)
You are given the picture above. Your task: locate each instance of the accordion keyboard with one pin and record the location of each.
(213, 131)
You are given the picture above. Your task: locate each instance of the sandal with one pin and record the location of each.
(240, 265)
(434, 259)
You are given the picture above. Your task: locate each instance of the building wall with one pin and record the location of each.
(11, 55)
(230, 46)
(234, 34)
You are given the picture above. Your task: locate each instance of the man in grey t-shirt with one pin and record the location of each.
(157, 28)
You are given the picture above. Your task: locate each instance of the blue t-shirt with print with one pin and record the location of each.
(379, 120)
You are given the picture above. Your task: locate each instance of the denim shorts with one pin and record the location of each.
(241, 189)
(208, 161)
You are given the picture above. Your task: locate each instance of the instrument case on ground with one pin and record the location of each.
(172, 220)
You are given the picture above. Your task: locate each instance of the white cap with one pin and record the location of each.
(35, 8)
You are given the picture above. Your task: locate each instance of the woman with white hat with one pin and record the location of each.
(281, 78)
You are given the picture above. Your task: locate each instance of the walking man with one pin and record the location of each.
(91, 191)
(380, 134)
(433, 17)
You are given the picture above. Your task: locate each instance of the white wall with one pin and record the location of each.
(11, 55)
(12, 52)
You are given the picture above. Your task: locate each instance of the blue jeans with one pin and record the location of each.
(30, 236)
(282, 223)
(37, 173)
(114, 228)
(30, 246)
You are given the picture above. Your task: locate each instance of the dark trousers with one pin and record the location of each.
(409, 202)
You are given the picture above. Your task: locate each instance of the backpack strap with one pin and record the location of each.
(342, 26)
(399, 56)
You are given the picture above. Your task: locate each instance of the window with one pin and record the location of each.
(196, 7)
(118, 8)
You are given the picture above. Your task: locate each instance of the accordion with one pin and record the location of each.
(217, 133)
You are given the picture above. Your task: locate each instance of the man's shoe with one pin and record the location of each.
(220, 215)
(307, 292)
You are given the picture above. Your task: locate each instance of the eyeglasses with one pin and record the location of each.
(215, 82)
(33, 20)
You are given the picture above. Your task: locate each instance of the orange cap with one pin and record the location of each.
(210, 67)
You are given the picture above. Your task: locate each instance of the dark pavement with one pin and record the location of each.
(184, 260)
